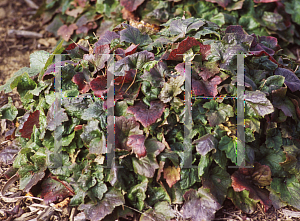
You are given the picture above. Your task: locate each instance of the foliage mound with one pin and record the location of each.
(149, 123)
(77, 18)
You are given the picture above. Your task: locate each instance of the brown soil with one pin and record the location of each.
(14, 54)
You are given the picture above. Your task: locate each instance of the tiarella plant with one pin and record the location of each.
(149, 113)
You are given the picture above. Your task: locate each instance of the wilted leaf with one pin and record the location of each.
(171, 89)
(147, 116)
(172, 175)
(66, 31)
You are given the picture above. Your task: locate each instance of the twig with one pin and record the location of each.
(139, 212)
(31, 4)
(25, 34)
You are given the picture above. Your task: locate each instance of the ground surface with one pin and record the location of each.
(14, 54)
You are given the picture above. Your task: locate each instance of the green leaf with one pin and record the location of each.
(233, 149)
(137, 194)
(133, 35)
(274, 139)
(218, 114)
(145, 166)
(242, 200)
(289, 189)
(188, 177)
(8, 111)
(38, 59)
(218, 181)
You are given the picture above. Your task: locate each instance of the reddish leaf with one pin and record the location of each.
(185, 45)
(132, 92)
(98, 85)
(53, 190)
(78, 127)
(172, 175)
(131, 49)
(85, 28)
(131, 5)
(209, 70)
(128, 78)
(27, 128)
(80, 80)
(246, 178)
(237, 29)
(206, 88)
(297, 106)
(136, 142)
(71, 46)
(147, 116)
(66, 31)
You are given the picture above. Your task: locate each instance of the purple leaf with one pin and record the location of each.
(147, 116)
(291, 80)
(107, 38)
(199, 205)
